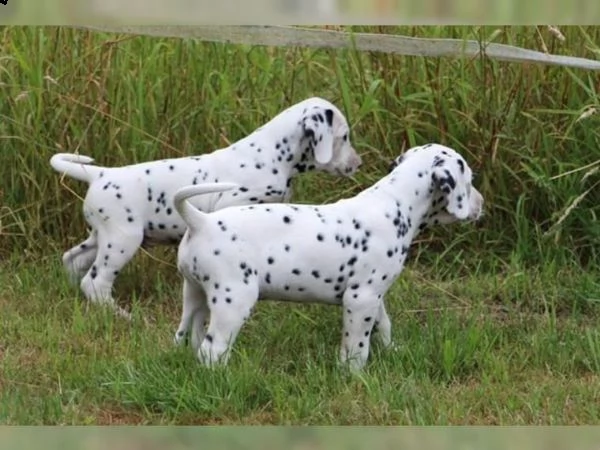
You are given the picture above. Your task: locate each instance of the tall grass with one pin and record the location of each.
(529, 131)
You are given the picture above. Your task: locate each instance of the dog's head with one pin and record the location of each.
(327, 133)
(451, 190)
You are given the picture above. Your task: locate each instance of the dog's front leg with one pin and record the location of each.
(361, 309)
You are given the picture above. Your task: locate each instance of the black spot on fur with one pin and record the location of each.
(329, 117)
(450, 179)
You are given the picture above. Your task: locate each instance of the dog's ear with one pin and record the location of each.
(318, 127)
(448, 175)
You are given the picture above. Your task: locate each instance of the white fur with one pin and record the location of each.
(346, 253)
(133, 205)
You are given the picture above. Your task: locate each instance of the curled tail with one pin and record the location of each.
(75, 166)
(191, 215)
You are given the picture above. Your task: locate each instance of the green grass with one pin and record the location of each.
(521, 347)
(497, 322)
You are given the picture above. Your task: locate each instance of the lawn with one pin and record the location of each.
(494, 322)
(516, 347)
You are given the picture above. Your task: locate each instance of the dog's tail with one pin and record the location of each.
(192, 216)
(75, 166)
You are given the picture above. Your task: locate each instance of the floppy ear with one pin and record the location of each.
(318, 127)
(448, 177)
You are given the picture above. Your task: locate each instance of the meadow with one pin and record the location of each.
(496, 322)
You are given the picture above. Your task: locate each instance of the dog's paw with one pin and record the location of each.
(392, 347)
(120, 312)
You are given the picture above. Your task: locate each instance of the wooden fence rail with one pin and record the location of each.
(286, 36)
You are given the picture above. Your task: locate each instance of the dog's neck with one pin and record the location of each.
(282, 143)
(410, 190)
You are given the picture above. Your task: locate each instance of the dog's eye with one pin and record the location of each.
(345, 138)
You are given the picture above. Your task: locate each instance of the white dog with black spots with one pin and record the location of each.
(347, 253)
(127, 207)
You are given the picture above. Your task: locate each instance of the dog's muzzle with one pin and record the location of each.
(476, 212)
(352, 167)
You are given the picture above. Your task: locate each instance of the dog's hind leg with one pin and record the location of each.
(228, 312)
(78, 260)
(193, 315)
(115, 250)
(384, 326)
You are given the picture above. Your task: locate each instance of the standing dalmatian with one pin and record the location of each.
(347, 253)
(130, 206)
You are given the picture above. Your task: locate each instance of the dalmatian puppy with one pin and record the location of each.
(127, 207)
(347, 253)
